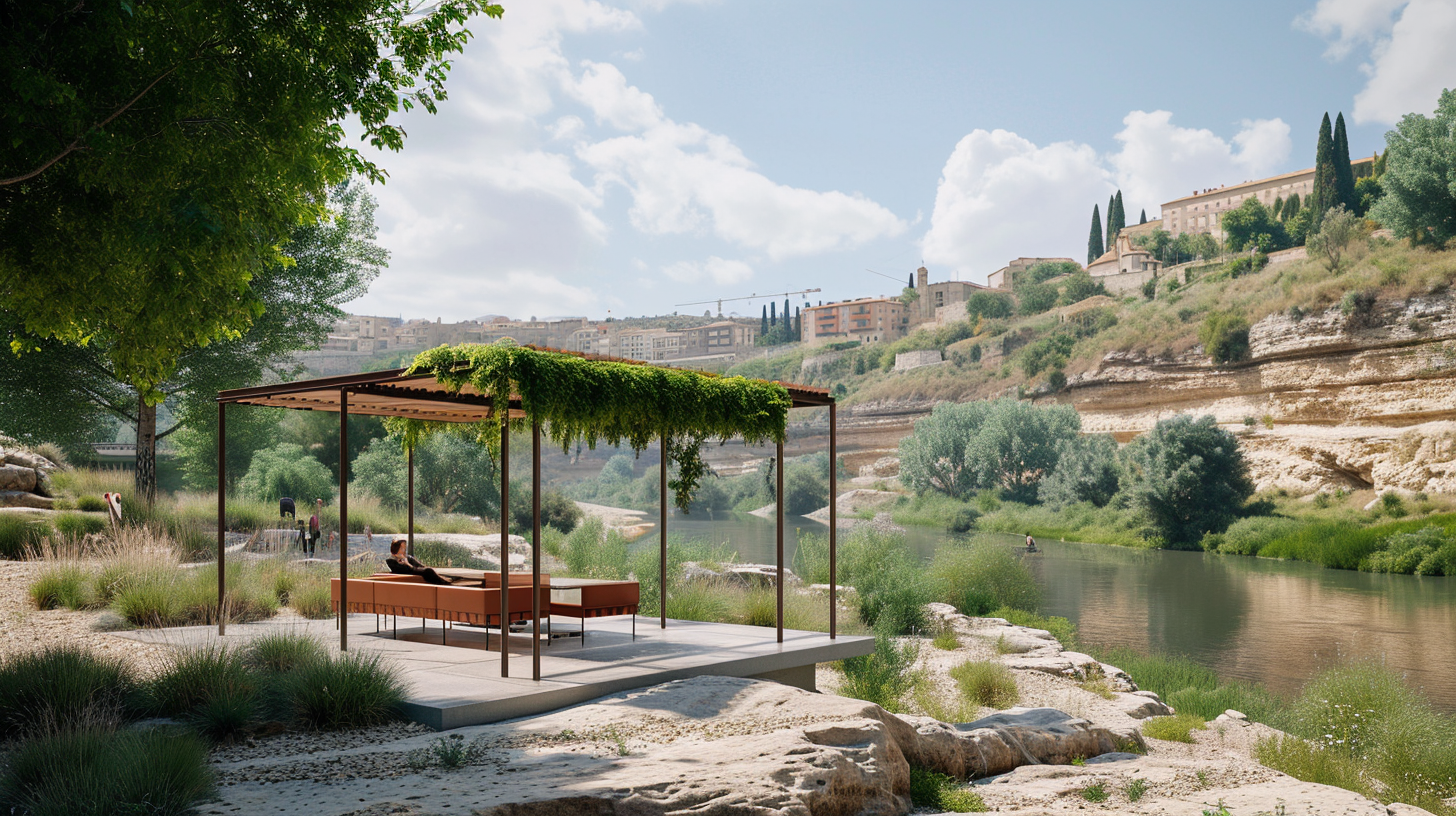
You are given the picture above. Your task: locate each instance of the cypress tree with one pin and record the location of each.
(763, 323)
(1094, 238)
(1278, 209)
(1108, 235)
(1325, 194)
(1143, 218)
(1118, 220)
(911, 284)
(798, 324)
(773, 316)
(1344, 173)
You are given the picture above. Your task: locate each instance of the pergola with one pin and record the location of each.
(421, 396)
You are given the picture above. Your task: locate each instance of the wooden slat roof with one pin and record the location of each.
(420, 396)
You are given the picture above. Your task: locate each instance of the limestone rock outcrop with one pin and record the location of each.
(24, 479)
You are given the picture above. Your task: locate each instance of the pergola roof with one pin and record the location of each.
(420, 396)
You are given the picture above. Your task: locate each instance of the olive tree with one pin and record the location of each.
(962, 448)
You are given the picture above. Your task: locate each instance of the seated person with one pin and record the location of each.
(401, 563)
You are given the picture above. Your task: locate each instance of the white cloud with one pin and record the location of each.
(685, 179)
(1349, 23)
(1409, 70)
(1002, 196)
(714, 269)
(1160, 161)
(1410, 56)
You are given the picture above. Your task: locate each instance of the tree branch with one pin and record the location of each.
(78, 142)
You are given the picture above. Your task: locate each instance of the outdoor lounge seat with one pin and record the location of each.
(603, 600)
(408, 596)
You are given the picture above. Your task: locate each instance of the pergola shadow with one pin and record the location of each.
(451, 398)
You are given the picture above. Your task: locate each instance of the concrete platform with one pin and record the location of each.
(460, 684)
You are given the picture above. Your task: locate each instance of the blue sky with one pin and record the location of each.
(633, 156)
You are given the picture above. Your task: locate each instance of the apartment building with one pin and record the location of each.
(722, 337)
(868, 320)
(1200, 212)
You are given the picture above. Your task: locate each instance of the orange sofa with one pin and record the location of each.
(601, 600)
(408, 596)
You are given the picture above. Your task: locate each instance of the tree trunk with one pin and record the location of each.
(146, 452)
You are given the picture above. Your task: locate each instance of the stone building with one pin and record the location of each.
(935, 297)
(868, 320)
(722, 337)
(1200, 212)
(1004, 277)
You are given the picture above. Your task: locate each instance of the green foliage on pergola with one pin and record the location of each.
(584, 400)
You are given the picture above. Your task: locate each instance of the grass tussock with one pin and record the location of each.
(1177, 728)
(941, 792)
(98, 772)
(986, 683)
(883, 677)
(64, 686)
(1194, 689)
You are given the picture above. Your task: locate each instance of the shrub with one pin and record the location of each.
(287, 470)
(20, 535)
(987, 682)
(79, 525)
(1096, 792)
(811, 558)
(882, 677)
(63, 686)
(1177, 728)
(1358, 307)
(150, 603)
(282, 652)
(932, 789)
(592, 551)
(1247, 536)
(443, 554)
(62, 584)
(91, 504)
(982, 576)
(1308, 762)
(98, 772)
(209, 685)
(703, 601)
(1187, 476)
(352, 690)
(1086, 471)
(1225, 337)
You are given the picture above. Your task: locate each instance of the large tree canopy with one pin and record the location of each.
(157, 153)
(962, 448)
(1420, 176)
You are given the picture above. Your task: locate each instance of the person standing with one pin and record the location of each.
(314, 530)
(1030, 543)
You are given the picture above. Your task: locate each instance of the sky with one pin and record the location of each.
(635, 157)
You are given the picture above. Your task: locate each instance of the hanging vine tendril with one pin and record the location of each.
(579, 400)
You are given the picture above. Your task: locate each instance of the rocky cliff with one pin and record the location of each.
(1364, 399)
(24, 478)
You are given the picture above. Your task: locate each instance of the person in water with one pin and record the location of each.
(1030, 543)
(401, 563)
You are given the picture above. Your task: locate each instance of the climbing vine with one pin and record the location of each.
(580, 400)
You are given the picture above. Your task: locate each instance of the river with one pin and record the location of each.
(1274, 622)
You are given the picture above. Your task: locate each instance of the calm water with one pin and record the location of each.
(1275, 622)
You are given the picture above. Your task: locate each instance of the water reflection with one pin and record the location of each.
(1274, 622)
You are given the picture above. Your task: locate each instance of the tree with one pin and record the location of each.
(1420, 176)
(962, 448)
(1368, 190)
(911, 282)
(1094, 238)
(1036, 298)
(1251, 225)
(798, 325)
(1187, 476)
(453, 474)
(773, 316)
(1225, 337)
(1079, 286)
(1086, 471)
(763, 324)
(1117, 220)
(990, 305)
(1326, 189)
(1110, 237)
(1344, 173)
(159, 154)
(329, 263)
(1339, 228)
(1291, 207)
(1143, 217)
(287, 471)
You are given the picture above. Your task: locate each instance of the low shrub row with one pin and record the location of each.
(1425, 546)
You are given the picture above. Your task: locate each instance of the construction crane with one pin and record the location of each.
(721, 301)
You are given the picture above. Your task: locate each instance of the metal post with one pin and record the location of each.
(343, 520)
(779, 535)
(833, 522)
(535, 550)
(221, 516)
(505, 536)
(662, 538)
(411, 548)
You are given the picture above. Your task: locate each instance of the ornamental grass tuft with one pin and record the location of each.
(63, 686)
(1177, 728)
(351, 690)
(99, 772)
(987, 683)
